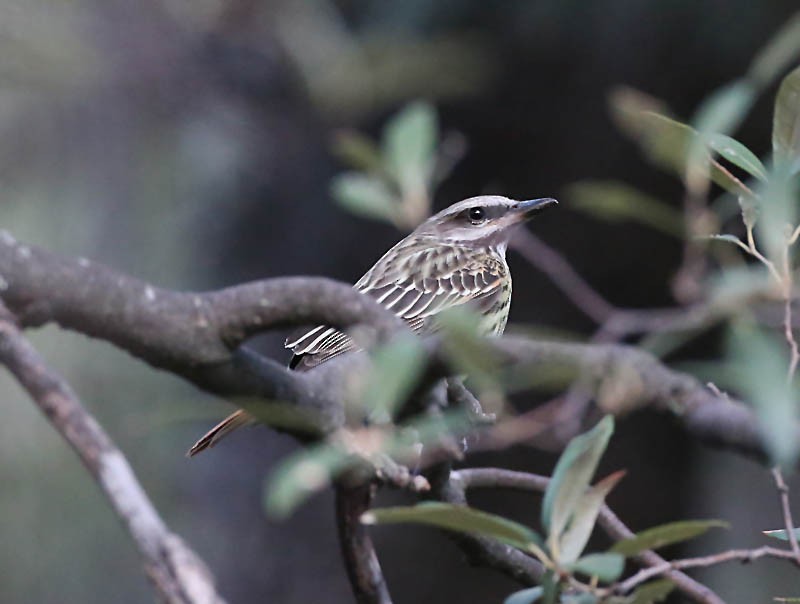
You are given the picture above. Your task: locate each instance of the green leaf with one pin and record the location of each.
(409, 145)
(616, 201)
(666, 142)
(577, 535)
(395, 371)
(580, 598)
(782, 534)
(736, 153)
(364, 195)
(665, 534)
(357, 151)
(571, 477)
(786, 120)
(777, 210)
(551, 587)
(457, 518)
(778, 54)
(525, 596)
(650, 593)
(759, 368)
(606, 567)
(301, 475)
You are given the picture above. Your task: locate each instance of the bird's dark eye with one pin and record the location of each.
(476, 214)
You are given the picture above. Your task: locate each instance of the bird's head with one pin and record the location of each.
(484, 220)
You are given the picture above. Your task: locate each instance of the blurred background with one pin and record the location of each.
(188, 142)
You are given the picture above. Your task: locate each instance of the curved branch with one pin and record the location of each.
(178, 574)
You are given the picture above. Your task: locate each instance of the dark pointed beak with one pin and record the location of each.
(529, 208)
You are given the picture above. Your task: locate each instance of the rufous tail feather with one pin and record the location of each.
(221, 430)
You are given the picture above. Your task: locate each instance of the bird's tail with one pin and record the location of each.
(226, 426)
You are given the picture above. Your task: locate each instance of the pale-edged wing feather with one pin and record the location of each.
(416, 284)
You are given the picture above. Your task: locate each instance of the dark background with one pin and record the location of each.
(188, 143)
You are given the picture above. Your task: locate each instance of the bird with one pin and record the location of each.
(456, 257)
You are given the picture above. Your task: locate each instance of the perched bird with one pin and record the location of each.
(455, 257)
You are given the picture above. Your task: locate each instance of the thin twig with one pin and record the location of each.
(177, 573)
(788, 523)
(492, 478)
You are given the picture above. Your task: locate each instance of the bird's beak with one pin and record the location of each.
(524, 210)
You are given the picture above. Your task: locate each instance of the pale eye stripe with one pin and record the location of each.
(304, 336)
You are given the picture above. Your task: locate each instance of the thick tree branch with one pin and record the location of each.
(178, 574)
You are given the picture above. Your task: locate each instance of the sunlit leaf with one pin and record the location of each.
(616, 201)
(786, 121)
(737, 154)
(760, 364)
(571, 477)
(301, 475)
(409, 145)
(606, 567)
(525, 596)
(782, 534)
(665, 534)
(580, 529)
(364, 195)
(457, 518)
(357, 151)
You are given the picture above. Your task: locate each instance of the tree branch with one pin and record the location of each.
(177, 573)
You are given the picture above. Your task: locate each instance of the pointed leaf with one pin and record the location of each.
(736, 153)
(409, 144)
(606, 567)
(457, 518)
(782, 49)
(786, 120)
(665, 534)
(301, 475)
(577, 535)
(782, 534)
(571, 477)
(650, 593)
(760, 364)
(525, 596)
(364, 195)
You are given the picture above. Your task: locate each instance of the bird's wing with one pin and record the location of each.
(416, 287)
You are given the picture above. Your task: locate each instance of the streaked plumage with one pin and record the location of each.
(455, 257)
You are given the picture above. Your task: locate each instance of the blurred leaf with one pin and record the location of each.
(777, 211)
(577, 535)
(571, 477)
(457, 518)
(283, 415)
(550, 586)
(606, 567)
(616, 201)
(409, 145)
(782, 534)
(759, 363)
(301, 475)
(466, 348)
(365, 195)
(736, 153)
(786, 121)
(665, 141)
(357, 151)
(724, 109)
(650, 593)
(737, 285)
(525, 596)
(665, 534)
(780, 51)
(395, 370)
